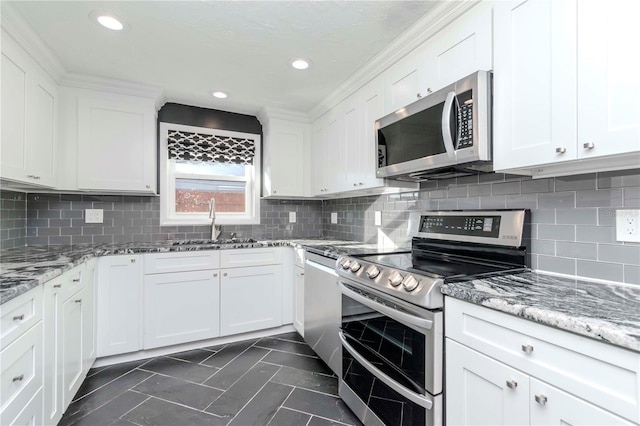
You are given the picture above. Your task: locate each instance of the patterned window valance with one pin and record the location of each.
(210, 148)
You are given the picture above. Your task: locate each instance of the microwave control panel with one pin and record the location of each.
(465, 120)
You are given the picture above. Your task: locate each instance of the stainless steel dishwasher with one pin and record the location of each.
(322, 312)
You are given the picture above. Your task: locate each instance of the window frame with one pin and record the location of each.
(168, 176)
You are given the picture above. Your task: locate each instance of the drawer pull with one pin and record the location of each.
(224, 275)
(18, 317)
(133, 261)
(589, 145)
(215, 275)
(18, 378)
(527, 349)
(57, 285)
(76, 280)
(541, 399)
(78, 301)
(512, 384)
(561, 150)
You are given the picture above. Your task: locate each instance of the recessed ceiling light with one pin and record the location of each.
(108, 20)
(220, 95)
(300, 64)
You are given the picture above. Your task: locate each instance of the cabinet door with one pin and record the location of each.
(284, 169)
(298, 299)
(52, 363)
(42, 115)
(608, 84)
(320, 156)
(552, 406)
(405, 81)
(181, 307)
(72, 346)
(482, 391)
(372, 104)
(14, 110)
(116, 146)
(534, 83)
(250, 299)
(337, 152)
(461, 48)
(352, 141)
(119, 306)
(89, 316)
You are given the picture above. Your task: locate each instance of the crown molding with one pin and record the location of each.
(81, 81)
(441, 15)
(17, 27)
(268, 113)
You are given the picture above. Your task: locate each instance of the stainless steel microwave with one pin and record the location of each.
(444, 134)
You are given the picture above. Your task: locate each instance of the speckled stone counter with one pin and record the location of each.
(24, 268)
(606, 312)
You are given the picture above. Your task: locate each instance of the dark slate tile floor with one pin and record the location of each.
(274, 381)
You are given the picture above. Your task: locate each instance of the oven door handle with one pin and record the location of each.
(416, 398)
(399, 316)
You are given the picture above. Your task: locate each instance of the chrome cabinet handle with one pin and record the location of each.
(57, 285)
(429, 90)
(18, 378)
(527, 349)
(18, 317)
(512, 384)
(215, 275)
(418, 95)
(589, 145)
(133, 261)
(541, 399)
(148, 186)
(76, 280)
(34, 177)
(78, 301)
(561, 150)
(225, 274)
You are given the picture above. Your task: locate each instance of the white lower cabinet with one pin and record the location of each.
(181, 307)
(504, 370)
(21, 361)
(69, 338)
(250, 299)
(119, 305)
(298, 299)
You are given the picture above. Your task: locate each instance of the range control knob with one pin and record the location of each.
(345, 264)
(373, 271)
(355, 266)
(410, 283)
(395, 278)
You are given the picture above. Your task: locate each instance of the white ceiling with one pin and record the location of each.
(190, 48)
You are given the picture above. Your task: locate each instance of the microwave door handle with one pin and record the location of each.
(446, 119)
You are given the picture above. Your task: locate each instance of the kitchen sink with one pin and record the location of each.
(212, 242)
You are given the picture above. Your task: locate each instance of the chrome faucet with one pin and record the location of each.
(215, 230)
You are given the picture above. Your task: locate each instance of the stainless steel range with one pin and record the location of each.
(392, 310)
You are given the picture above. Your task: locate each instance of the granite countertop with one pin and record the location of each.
(24, 268)
(608, 312)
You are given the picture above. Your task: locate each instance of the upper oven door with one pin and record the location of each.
(448, 127)
(403, 342)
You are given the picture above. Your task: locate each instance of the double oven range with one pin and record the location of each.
(392, 310)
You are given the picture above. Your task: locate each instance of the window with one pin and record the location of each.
(198, 164)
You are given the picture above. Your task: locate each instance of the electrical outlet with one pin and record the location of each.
(377, 218)
(292, 217)
(627, 225)
(93, 216)
(334, 217)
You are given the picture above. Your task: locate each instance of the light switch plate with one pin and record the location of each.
(93, 216)
(377, 218)
(334, 217)
(292, 217)
(627, 225)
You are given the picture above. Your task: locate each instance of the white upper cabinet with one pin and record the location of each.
(285, 171)
(116, 144)
(29, 118)
(371, 102)
(563, 82)
(405, 81)
(320, 156)
(608, 84)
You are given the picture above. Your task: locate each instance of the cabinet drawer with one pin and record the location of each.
(21, 375)
(158, 263)
(299, 255)
(606, 375)
(19, 314)
(250, 257)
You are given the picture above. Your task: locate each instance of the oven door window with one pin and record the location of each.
(398, 350)
(387, 404)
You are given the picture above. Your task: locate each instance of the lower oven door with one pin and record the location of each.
(391, 359)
